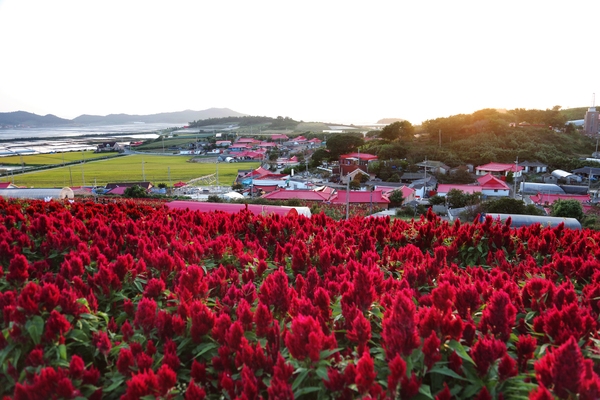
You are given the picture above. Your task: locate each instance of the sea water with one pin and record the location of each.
(21, 141)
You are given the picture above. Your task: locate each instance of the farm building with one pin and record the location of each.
(531, 188)
(526, 220)
(233, 208)
(38, 194)
(566, 176)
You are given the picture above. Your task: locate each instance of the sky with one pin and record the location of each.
(329, 61)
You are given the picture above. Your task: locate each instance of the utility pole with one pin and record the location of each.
(143, 172)
(71, 175)
(217, 165)
(515, 178)
(347, 196)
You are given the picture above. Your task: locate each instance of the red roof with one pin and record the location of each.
(359, 197)
(446, 187)
(308, 195)
(179, 184)
(251, 154)
(245, 140)
(541, 198)
(489, 182)
(498, 167)
(360, 156)
(279, 136)
(264, 188)
(118, 190)
(315, 140)
(6, 185)
(387, 190)
(258, 173)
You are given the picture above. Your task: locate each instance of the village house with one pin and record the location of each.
(352, 161)
(533, 167)
(493, 187)
(108, 146)
(444, 188)
(408, 194)
(435, 167)
(498, 169)
(376, 198)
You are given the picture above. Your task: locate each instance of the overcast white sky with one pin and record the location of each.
(334, 61)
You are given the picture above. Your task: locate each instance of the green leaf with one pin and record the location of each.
(327, 353)
(205, 347)
(116, 384)
(425, 390)
(5, 352)
(35, 327)
(62, 350)
(306, 390)
(78, 336)
(460, 350)
(298, 381)
(443, 370)
(104, 315)
(322, 373)
(471, 390)
(183, 343)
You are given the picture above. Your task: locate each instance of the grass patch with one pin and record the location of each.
(53, 159)
(156, 169)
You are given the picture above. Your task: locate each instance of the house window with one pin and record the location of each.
(495, 190)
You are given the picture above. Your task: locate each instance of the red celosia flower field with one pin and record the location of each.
(128, 300)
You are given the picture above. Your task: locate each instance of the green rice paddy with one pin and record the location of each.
(132, 168)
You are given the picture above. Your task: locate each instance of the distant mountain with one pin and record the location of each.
(181, 117)
(178, 117)
(29, 119)
(389, 120)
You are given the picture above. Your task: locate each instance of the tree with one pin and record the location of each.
(567, 209)
(397, 130)
(136, 192)
(437, 200)
(396, 197)
(273, 155)
(457, 198)
(318, 156)
(506, 205)
(344, 143)
(354, 184)
(213, 198)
